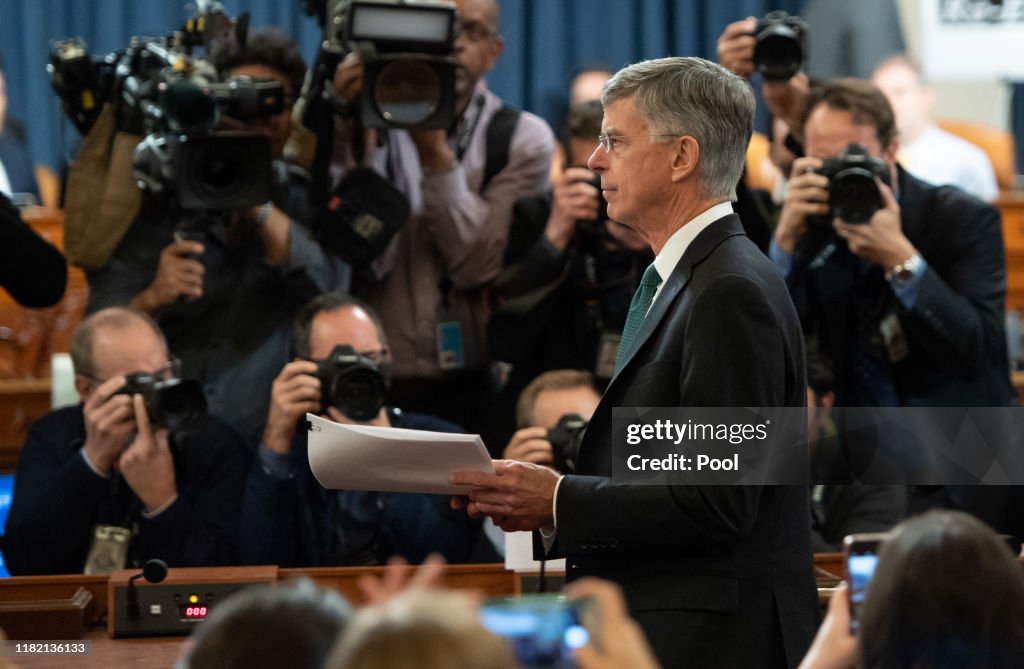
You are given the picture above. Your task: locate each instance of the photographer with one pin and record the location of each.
(103, 486)
(542, 406)
(288, 518)
(226, 299)
(428, 284)
(908, 304)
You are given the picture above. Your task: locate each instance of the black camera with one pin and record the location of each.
(853, 195)
(176, 404)
(565, 439)
(595, 227)
(406, 48)
(352, 383)
(780, 45)
(159, 89)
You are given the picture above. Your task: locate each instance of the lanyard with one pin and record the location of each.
(468, 126)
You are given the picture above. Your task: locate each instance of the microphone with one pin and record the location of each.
(154, 571)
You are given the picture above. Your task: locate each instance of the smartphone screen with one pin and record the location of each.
(543, 629)
(861, 557)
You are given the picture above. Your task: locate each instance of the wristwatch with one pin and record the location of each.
(263, 213)
(906, 270)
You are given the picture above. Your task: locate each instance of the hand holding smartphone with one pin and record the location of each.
(543, 629)
(860, 557)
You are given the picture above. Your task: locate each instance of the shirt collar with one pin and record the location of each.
(677, 244)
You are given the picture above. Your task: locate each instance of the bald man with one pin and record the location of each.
(101, 486)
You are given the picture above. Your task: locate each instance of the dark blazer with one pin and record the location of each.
(718, 576)
(58, 499)
(956, 331)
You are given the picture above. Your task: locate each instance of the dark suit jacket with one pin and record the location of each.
(58, 499)
(955, 332)
(718, 576)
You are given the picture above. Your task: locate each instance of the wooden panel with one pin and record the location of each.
(489, 579)
(1011, 205)
(22, 401)
(29, 336)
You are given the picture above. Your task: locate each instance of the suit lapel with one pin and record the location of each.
(701, 247)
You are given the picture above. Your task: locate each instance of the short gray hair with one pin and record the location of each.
(692, 96)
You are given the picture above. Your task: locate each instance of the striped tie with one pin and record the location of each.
(637, 310)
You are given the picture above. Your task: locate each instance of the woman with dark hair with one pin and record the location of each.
(946, 594)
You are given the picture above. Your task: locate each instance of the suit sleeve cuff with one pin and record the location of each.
(548, 536)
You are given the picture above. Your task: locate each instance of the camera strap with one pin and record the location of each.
(470, 120)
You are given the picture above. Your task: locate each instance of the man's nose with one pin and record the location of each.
(598, 160)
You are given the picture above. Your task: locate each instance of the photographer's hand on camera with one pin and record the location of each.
(880, 240)
(530, 444)
(435, 154)
(807, 196)
(295, 392)
(786, 99)
(109, 419)
(147, 464)
(575, 198)
(178, 274)
(736, 47)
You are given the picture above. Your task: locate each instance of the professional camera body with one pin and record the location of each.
(160, 89)
(853, 195)
(565, 438)
(176, 404)
(781, 42)
(406, 49)
(352, 383)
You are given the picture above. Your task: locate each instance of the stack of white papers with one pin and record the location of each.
(388, 459)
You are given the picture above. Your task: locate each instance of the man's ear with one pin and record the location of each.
(83, 387)
(497, 46)
(685, 159)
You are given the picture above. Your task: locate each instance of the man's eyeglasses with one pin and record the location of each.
(609, 142)
(376, 356)
(475, 32)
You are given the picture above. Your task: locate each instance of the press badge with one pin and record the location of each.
(895, 340)
(607, 351)
(109, 550)
(450, 353)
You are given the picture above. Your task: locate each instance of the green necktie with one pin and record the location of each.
(637, 310)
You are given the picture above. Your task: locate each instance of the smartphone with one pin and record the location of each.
(860, 555)
(543, 629)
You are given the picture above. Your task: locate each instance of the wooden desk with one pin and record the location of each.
(161, 653)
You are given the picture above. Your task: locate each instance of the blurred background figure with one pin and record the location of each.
(946, 593)
(291, 625)
(927, 151)
(16, 172)
(421, 629)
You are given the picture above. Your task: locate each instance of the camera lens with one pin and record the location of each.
(854, 195)
(179, 405)
(358, 393)
(407, 92)
(223, 171)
